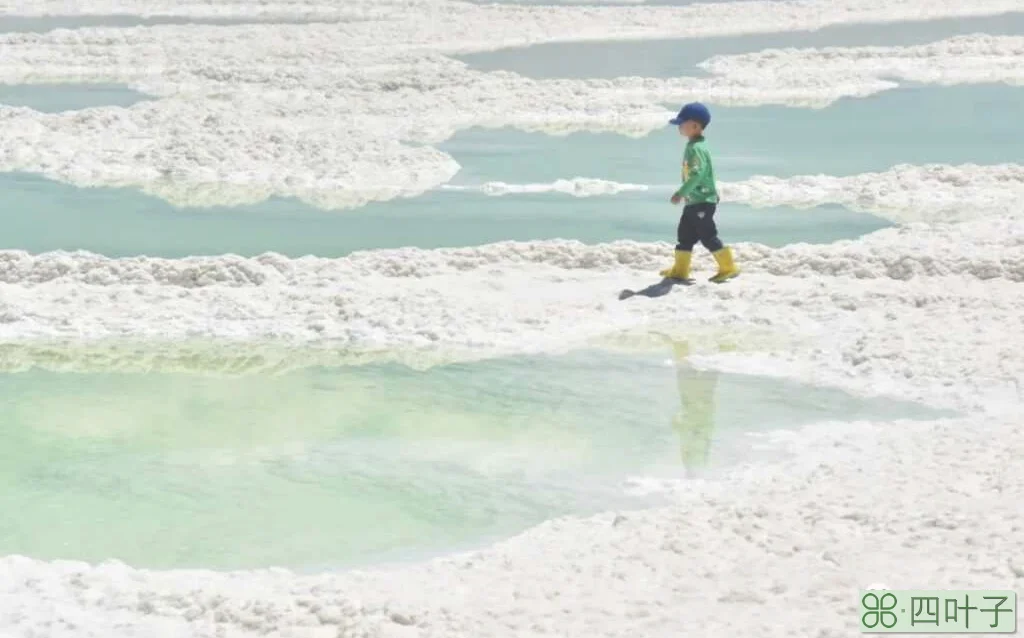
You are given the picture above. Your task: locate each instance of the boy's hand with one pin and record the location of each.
(676, 198)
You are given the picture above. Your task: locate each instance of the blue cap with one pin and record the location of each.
(693, 111)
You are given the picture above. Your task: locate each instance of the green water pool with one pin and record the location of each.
(348, 465)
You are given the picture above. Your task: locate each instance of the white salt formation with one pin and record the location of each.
(577, 187)
(904, 193)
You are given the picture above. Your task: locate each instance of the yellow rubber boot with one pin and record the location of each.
(681, 268)
(726, 267)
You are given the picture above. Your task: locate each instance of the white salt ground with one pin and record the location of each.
(519, 295)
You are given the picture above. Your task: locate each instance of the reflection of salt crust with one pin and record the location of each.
(326, 114)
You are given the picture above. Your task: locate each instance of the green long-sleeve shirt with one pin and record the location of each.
(698, 174)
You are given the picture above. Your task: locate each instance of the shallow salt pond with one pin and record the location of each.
(328, 467)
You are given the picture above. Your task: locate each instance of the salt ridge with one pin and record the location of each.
(577, 187)
(983, 58)
(402, 298)
(282, 9)
(939, 193)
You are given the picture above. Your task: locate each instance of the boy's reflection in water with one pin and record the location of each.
(695, 420)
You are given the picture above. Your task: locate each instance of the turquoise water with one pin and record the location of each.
(351, 465)
(122, 222)
(55, 98)
(678, 57)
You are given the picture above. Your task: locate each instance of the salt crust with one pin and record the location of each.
(904, 193)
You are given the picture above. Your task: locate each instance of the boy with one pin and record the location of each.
(698, 220)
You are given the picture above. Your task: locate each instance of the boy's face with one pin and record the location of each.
(690, 128)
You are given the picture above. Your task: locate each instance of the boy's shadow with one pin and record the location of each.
(659, 289)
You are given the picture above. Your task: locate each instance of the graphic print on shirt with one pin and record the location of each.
(690, 165)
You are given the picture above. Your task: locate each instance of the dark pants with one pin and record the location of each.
(698, 224)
